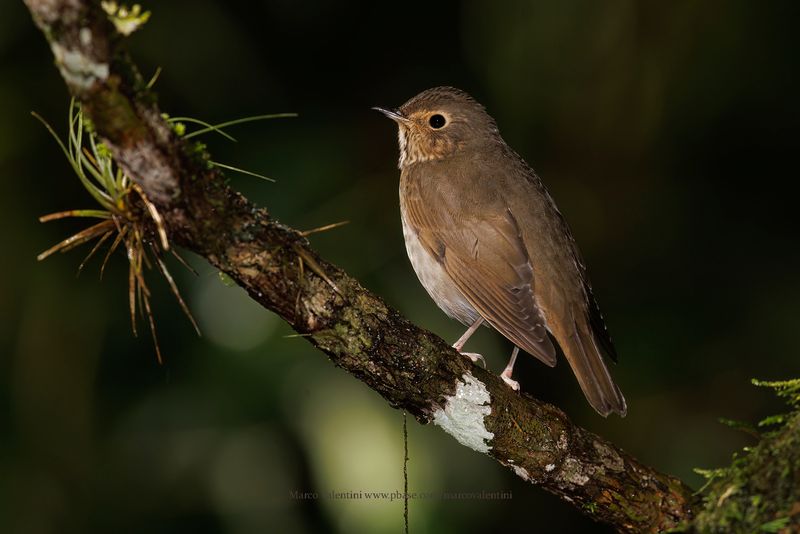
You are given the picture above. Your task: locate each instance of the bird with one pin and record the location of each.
(489, 245)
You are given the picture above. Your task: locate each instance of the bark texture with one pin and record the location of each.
(410, 367)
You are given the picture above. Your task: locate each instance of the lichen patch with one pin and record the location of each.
(573, 473)
(609, 457)
(463, 414)
(521, 472)
(78, 69)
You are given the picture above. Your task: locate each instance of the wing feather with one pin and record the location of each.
(487, 260)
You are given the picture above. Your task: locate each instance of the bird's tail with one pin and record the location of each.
(587, 363)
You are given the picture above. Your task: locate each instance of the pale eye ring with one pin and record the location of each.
(437, 121)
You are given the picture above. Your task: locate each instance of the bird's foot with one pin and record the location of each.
(506, 376)
(474, 356)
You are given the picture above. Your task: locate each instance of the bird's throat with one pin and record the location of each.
(402, 140)
(416, 147)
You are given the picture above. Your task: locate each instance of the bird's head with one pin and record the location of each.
(438, 123)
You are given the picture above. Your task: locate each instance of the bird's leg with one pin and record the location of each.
(458, 345)
(506, 374)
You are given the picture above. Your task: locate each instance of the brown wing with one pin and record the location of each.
(487, 260)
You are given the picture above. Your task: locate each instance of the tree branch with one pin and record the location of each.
(410, 367)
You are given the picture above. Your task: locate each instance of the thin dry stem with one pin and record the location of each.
(157, 219)
(325, 228)
(312, 263)
(95, 248)
(120, 236)
(184, 262)
(77, 239)
(165, 272)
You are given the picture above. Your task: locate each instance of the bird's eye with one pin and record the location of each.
(437, 121)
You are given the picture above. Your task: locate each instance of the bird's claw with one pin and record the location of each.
(513, 384)
(474, 356)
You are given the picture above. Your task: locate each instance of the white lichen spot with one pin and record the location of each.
(77, 69)
(609, 457)
(572, 472)
(549, 467)
(463, 414)
(562, 442)
(521, 472)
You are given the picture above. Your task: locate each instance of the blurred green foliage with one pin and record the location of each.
(667, 132)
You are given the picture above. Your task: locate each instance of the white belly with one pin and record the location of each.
(436, 281)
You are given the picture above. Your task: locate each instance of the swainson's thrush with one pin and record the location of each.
(488, 243)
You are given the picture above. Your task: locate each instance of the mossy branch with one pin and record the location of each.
(410, 367)
(760, 490)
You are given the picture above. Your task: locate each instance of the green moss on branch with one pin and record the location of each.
(760, 490)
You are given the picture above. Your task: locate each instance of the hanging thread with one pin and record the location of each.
(405, 470)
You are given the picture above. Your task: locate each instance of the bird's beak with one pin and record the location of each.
(394, 115)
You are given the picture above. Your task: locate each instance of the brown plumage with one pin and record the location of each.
(488, 243)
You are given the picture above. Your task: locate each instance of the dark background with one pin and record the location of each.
(666, 131)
